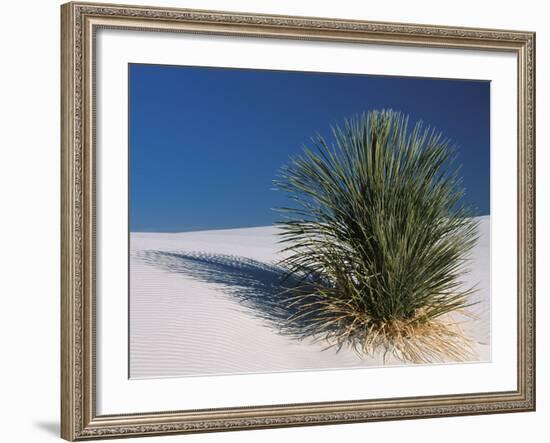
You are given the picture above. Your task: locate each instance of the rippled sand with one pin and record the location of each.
(187, 315)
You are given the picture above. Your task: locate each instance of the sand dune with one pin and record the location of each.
(202, 303)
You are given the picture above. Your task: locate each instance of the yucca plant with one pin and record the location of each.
(379, 239)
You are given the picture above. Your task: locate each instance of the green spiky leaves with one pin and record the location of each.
(377, 227)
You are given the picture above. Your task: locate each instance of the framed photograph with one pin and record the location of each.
(282, 221)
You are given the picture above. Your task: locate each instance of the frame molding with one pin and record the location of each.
(79, 21)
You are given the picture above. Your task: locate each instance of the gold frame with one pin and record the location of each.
(79, 22)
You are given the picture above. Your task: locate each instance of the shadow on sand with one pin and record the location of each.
(262, 288)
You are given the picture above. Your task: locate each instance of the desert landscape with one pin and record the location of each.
(205, 303)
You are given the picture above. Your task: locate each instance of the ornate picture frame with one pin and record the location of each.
(80, 23)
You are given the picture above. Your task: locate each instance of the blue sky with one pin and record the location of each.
(206, 143)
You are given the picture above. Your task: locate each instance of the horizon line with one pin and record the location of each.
(230, 228)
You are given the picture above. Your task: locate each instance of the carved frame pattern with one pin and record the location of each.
(79, 23)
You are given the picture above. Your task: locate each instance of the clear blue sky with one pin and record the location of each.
(206, 143)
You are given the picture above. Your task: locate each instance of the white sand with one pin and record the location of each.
(187, 316)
